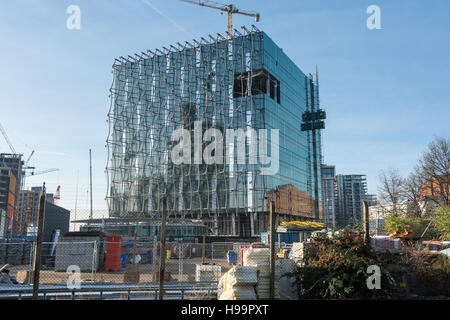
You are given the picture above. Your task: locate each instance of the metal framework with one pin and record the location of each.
(214, 81)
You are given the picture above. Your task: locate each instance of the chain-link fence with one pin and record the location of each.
(101, 261)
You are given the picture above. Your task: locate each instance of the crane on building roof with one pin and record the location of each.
(7, 139)
(41, 172)
(230, 9)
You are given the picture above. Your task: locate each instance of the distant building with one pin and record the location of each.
(15, 163)
(3, 224)
(292, 204)
(10, 183)
(56, 220)
(377, 215)
(351, 191)
(146, 228)
(28, 207)
(328, 194)
(8, 198)
(438, 189)
(371, 200)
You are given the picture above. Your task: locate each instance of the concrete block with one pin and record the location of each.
(207, 272)
(131, 276)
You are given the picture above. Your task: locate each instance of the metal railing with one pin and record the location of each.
(126, 291)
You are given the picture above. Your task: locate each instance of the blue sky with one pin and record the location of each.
(386, 92)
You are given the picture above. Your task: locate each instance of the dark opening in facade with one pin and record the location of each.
(262, 82)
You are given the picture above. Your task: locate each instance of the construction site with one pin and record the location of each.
(214, 188)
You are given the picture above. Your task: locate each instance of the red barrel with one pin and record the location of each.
(113, 253)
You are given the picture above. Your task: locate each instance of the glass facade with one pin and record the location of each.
(243, 83)
(328, 194)
(351, 191)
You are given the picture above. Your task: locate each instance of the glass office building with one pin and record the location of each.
(328, 194)
(351, 191)
(215, 85)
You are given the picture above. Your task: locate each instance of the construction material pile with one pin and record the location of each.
(238, 284)
(260, 258)
(27, 254)
(15, 252)
(298, 251)
(303, 225)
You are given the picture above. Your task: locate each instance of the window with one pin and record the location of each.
(262, 82)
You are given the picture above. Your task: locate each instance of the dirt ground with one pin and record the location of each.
(172, 268)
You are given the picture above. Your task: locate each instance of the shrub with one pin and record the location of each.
(336, 268)
(442, 222)
(416, 225)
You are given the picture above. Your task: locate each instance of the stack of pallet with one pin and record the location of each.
(298, 251)
(260, 259)
(238, 284)
(27, 257)
(15, 252)
(3, 247)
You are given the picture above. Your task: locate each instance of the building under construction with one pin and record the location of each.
(10, 183)
(242, 81)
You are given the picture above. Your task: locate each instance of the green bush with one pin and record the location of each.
(336, 269)
(442, 222)
(429, 275)
(417, 226)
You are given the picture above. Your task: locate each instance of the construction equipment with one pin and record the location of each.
(41, 172)
(26, 167)
(28, 160)
(230, 9)
(7, 139)
(57, 193)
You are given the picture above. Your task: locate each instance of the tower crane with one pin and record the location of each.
(230, 9)
(41, 172)
(26, 167)
(7, 139)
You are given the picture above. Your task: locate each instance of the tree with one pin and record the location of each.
(434, 167)
(415, 225)
(416, 204)
(442, 222)
(391, 191)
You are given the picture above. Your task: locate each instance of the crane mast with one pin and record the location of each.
(230, 9)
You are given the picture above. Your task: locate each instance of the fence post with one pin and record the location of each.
(366, 222)
(203, 249)
(162, 255)
(272, 250)
(134, 251)
(155, 250)
(37, 252)
(94, 261)
(180, 262)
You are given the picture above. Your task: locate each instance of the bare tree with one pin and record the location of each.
(434, 167)
(391, 191)
(417, 205)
